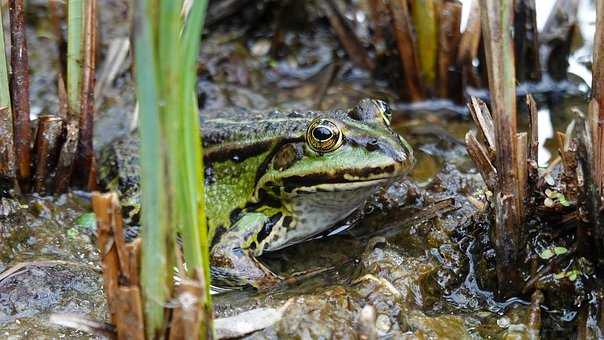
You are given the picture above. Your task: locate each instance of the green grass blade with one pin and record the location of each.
(156, 265)
(75, 25)
(4, 85)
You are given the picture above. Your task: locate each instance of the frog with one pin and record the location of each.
(276, 179)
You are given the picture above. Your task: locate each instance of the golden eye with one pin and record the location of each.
(323, 135)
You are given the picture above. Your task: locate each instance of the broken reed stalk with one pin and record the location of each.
(407, 47)
(496, 21)
(62, 177)
(351, 43)
(120, 268)
(84, 175)
(46, 151)
(20, 92)
(425, 20)
(591, 202)
(8, 171)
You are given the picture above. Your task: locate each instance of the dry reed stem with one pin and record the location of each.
(62, 177)
(480, 156)
(129, 314)
(20, 92)
(85, 154)
(407, 47)
(468, 48)
(187, 316)
(598, 94)
(526, 41)
(46, 152)
(106, 208)
(449, 36)
(522, 166)
(496, 20)
(8, 170)
(483, 119)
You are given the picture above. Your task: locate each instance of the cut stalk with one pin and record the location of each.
(46, 151)
(20, 93)
(496, 24)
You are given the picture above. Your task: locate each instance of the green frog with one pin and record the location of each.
(277, 179)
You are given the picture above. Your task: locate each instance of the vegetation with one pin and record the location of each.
(172, 179)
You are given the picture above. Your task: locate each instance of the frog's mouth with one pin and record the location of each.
(340, 186)
(345, 186)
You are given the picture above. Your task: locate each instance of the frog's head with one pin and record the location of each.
(352, 151)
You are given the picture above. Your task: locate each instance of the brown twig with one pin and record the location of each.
(20, 92)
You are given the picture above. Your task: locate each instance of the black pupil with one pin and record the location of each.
(322, 133)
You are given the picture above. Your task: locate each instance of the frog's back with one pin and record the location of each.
(237, 146)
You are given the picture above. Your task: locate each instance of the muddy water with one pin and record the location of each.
(412, 256)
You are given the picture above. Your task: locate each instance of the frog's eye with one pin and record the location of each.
(323, 135)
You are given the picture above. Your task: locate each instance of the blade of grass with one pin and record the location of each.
(7, 147)
(75, 26)
(156, 269)
(194, 231)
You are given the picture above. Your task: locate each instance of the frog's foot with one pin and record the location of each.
(234, 255)
(236, 268)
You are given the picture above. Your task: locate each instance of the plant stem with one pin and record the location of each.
(85, 154)
(75, 25)
(496, 25)
(7, 146)
(156, 266)
(20, 93)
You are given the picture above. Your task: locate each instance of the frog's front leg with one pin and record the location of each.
(233, 257)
